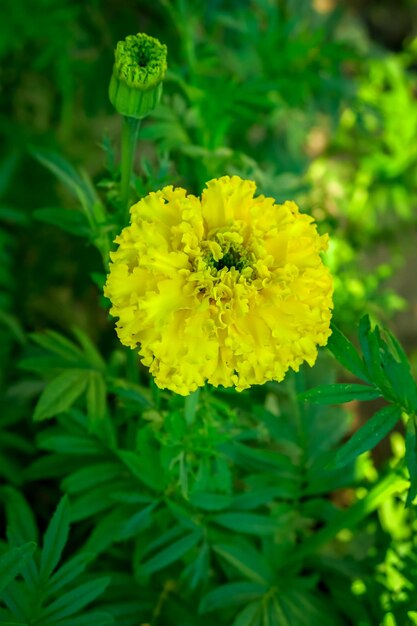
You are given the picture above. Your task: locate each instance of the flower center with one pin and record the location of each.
(233, 257)
(142, 57)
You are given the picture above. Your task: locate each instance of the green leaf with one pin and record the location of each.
(89, 619)
(246, 560)
(96, 396)
(65, 172)
(93, 356)
(372, 355)
(72, 222)
(250, 616)
(57, 344)
(11, 562)
(131, 526)
(411, 457)
(248, 523)
(20, 519)
(68, 572)
(72, 444)
(367, 437)
(231, 594)
(60, 394)
(90, 476)
(345, 352)
(55, 539)
(338, 393)
(75, 600)
(210, 501)
(171, 554)
(144, 466)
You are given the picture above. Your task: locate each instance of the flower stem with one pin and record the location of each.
(130, 131)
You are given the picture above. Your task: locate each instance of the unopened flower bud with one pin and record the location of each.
(139, 68)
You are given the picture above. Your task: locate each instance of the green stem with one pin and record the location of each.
(130, 131)
(390, 484)
(190, 406)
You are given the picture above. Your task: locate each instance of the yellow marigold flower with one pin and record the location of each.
(228, 289)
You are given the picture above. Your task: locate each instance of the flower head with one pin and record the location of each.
(139, 68)
(228, 289)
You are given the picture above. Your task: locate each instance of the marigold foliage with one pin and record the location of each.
(228, 289)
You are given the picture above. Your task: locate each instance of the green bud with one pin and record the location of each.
(139, 68)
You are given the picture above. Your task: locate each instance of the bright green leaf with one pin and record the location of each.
(339, 393)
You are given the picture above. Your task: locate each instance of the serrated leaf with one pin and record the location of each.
(338, 393)
(68, 572)
(246, 560)
(367, 437)
(231, 594)
(12, 561)
(345, 352)
(55, 538)
(411, 457)
(73, 601)
(170, 554)
(60, 394)
(250, 523)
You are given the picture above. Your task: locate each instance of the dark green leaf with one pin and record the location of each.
(231, 594)
(96, 396)
(248, 523)
(250, 616)
(171, 554)
(90, 476)
(72, 222)
(20, 519)
(144, 467)
(11, 562)
(68, 572)
(367, 437)
(75, 600)
(210, 501)
(55, 538)
(60, 394)
(246, 560)
(89, 619)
